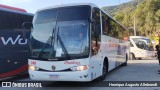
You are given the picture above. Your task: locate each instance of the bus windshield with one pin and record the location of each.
(143, 43)
(61, 33)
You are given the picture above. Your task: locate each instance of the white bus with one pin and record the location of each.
(141, 47)
(76, 42)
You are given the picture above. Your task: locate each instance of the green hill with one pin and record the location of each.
(146, 13)
(111, 10)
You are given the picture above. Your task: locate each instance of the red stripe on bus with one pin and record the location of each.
(14, 72)
(12, 8)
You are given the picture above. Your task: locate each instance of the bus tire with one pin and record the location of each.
(125, 63)
(104, 72)
(131, 56)
(139, 58)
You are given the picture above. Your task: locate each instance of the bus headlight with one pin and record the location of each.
(80, 68)
(34, 68)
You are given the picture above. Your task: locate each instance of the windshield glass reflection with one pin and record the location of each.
(143, 43)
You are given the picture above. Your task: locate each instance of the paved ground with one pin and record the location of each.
(137, 70)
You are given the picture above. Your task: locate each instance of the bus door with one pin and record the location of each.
(96, 39)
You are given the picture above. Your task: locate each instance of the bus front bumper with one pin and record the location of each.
(61, 76)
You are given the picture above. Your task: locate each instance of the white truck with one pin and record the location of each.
(140, 47)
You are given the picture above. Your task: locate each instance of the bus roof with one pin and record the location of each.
(67, 5)
(13, 9)
(77, 4)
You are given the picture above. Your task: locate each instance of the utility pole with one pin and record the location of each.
(134, 26)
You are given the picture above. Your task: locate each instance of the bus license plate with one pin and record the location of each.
(54, 76)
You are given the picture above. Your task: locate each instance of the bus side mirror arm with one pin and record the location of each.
(27, 25)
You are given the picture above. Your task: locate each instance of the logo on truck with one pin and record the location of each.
(18, 40)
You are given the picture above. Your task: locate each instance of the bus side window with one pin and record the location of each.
(96, 31)
(105, 24)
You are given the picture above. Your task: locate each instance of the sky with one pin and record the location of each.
(33, 5)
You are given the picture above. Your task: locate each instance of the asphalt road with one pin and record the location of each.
(137, 70)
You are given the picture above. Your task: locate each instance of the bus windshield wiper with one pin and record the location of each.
(50, 39)
(62, 45)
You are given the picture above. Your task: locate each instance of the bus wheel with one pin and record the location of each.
(131, 56)
(139, 58)
(104, 72)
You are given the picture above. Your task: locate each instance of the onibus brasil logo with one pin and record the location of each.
(21, 84)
